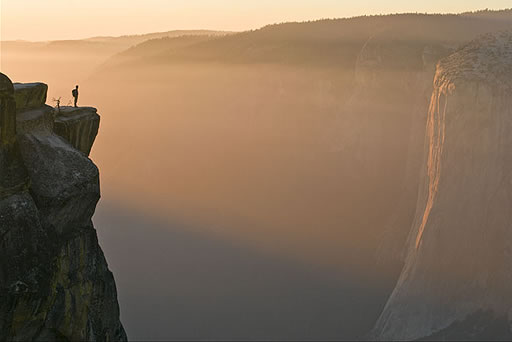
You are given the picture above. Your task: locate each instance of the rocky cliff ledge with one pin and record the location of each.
(457, 276)
(55, 284)
(78, 126)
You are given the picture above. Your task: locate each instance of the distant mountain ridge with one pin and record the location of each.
(348, 95)
(329, 42)
(108, 45)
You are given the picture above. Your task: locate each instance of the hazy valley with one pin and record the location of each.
(273, 172)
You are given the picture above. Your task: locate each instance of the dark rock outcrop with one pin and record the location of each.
(55, 284)
(30, 95)
(79, 126)
(13, 175)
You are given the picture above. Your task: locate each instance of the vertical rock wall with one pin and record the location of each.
(55, 284)
(459, 261)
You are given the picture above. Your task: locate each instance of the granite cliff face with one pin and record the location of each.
(54, 280)
(459, 254)
(383, 123)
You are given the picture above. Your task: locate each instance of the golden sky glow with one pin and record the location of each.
(70, 19)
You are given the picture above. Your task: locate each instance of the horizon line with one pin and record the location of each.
(107, 36)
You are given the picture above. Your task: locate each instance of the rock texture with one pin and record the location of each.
(54, 280)
(459, 259)
(78, 126)
(30, 95)
(13, 175)
(383, 124)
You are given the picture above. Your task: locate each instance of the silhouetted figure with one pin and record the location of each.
(75, 94)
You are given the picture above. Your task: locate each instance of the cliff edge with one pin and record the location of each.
(458, 268)
(55, 284)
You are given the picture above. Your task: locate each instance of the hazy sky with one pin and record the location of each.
(65, 19)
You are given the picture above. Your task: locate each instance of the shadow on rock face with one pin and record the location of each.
(178, 282)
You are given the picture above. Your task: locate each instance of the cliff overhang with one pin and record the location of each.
(54, 280)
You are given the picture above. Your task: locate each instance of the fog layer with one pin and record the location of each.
(249, 180)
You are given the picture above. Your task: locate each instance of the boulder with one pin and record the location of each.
(64, 182)
(30, 95)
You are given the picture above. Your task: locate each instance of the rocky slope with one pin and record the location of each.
(54, 280)
(459, 251)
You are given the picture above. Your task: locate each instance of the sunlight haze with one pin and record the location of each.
(72, 19)
(234, 170)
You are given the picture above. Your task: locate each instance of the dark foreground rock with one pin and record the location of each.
(30, 95)
(78, 126)
(479, 326)
(55, 284)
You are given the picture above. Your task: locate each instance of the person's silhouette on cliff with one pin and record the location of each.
(75, 94)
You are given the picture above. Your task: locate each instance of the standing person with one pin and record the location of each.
(75, 94)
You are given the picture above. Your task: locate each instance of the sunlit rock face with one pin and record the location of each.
(459, 259)
(54, 281)
(383, 123)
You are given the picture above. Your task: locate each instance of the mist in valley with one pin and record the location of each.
(256, 185)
